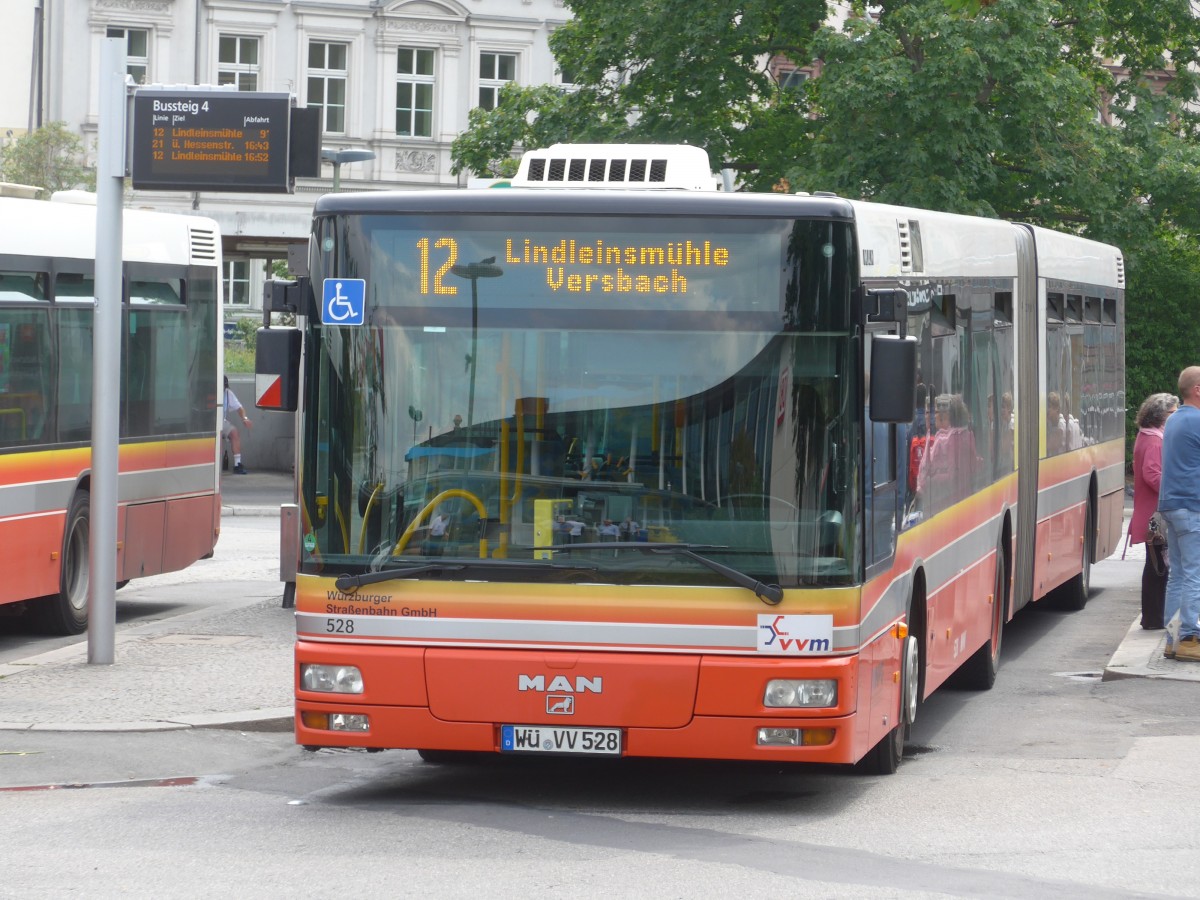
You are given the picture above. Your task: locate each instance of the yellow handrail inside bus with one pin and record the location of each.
(362, 533)
(429, 508)
(502, 496)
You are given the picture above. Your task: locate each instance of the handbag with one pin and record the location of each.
(1156, 530)
(1156, 543)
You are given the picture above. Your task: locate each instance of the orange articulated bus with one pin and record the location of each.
(169, 505)
(613, 463)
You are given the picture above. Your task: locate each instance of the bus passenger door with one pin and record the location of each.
(880, 479)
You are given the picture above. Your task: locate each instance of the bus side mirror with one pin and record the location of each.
(893, 378)
(281, 296)
(277, 369)
(886, 305)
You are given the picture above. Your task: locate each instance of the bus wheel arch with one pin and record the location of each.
(885, 757)
(918, 627)
(67, 611)
(1073, 594)
(978, 673)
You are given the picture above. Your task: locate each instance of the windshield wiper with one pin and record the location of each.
(347, 583)
(770, 594)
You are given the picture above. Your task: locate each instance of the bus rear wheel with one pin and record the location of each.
(67, 611)
(1074, 594)
(979, 672)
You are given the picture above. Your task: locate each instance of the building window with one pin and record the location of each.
(495, 71)
(567, 82)
(327, 83)
(237, 62)
(137, 51)
(793, 80)
(237, 282)
(414, 92)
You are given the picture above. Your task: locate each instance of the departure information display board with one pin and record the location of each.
(210, 140)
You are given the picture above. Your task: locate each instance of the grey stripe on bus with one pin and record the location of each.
(40, 497)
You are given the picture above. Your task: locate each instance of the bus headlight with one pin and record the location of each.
(337, 721)
(331, 679)
(788, 693)
(348, 722)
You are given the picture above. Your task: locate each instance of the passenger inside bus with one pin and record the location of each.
(1056, 425)
(947, 471)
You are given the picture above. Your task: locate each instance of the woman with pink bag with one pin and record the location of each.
(1147, 471)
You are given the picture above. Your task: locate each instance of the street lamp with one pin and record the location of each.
(416, 415)
(485, 268)
(337, 157)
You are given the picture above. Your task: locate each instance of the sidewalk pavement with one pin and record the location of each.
(219, 667)
(232, 667)
(255, 494)
(1141, 656)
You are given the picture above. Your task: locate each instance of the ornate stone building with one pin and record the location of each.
(392, 77)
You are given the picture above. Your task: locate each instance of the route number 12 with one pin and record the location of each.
(439, 285)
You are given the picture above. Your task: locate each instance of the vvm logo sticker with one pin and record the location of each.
(795, 635)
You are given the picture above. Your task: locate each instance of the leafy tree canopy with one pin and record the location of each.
(659, 71)
(51, 158)
(997, 113)
(990, 107)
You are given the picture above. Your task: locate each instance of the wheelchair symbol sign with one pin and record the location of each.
(343, 301)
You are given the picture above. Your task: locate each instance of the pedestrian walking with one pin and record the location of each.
(229, 430)
(435, 542)
(1179, 502)
(1147, 475)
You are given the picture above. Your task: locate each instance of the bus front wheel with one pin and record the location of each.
(67, 611)
(885, 757)
(448, 757)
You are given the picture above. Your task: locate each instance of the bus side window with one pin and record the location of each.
(74, 374)
(137, 373)
(25, 377)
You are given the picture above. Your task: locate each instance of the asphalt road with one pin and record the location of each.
(1052, 784)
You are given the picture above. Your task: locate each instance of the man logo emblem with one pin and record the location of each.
(560, 705)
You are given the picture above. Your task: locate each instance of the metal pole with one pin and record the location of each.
(35, 74)
(337, 176)
(106, 355)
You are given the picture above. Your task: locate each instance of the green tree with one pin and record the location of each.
(996, 113)
(526, 117)
(51, 158)
(660, 71)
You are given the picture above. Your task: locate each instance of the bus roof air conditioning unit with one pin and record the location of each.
(205, 243)
(617, 166)
(906, 260)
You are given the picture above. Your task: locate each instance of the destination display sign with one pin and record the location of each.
(573, 264)
(210, 140)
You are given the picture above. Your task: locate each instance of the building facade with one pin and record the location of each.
(396, 78)
(17, 40)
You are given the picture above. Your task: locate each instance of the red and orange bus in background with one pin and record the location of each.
(613, 463)
(169, 505)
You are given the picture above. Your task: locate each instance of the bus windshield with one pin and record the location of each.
(539, 388)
